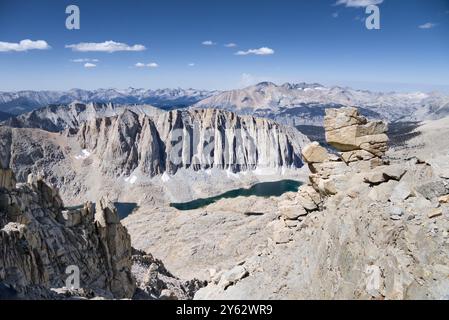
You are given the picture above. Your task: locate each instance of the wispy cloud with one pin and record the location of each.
(335, 14)
(107, 46)
(428, 25)
(89, 65)
(248, 79)
(191, 64)
(24, 45)
(146, 65)
(84, 60)
(208, 43)
(264, 51)
(358, 3)
(230, 45)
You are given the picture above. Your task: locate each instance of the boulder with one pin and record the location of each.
(384, 173)
(444, 199)
(309, 198)
(342, 117)
(347, 131)
(435, 213)
(356, 155)
(396, 213)
(374, 178)
(292, 211)
(314, 153)
(432, 189)
(233, 276)
(395, 172)
(282, 236)
(401, 192)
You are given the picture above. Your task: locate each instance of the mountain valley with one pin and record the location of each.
(370, 188)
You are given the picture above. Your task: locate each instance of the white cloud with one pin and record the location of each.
(335, 14)
(107, 46)
(89, 65)
(208, 43)
(358, 3)
(264, 51)
(84, 60)
(191, 64)
(24, 45)
(147, 65)
(428, 25)
(230, 45)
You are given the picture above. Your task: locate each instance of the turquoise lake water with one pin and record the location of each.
(263, 189)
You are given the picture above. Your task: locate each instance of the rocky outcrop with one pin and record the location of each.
(155, 282)
(197, 139)
(40, 241)
(42, 244)
(360, 144)
(347, 131)
(361, 229)
(57, 118)
(314, 153)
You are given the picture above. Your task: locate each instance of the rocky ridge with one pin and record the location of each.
(24, 101)
(199, 139)
(305, 104)
(40, 240)
(155, 141)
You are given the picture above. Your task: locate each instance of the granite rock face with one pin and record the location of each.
(40, 239)
(197, 139)
(42, 243)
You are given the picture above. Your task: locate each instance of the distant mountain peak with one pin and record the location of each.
(25, 101)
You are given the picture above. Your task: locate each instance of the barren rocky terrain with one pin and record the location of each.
(370, 220)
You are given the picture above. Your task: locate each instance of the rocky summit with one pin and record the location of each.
(364, 227)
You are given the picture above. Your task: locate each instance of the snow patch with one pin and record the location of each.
(131, 179)
(165, 177)
(83, 155)
(232, 175)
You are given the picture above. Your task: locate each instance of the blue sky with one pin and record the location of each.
(296, 40)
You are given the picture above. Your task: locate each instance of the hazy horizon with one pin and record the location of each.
(224, 45)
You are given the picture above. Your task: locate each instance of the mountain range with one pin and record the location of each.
(304, 104)
(290, 104)
(24, 101)
(354, 205)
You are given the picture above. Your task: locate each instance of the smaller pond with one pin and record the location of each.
(124, 209)
(264, 189)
